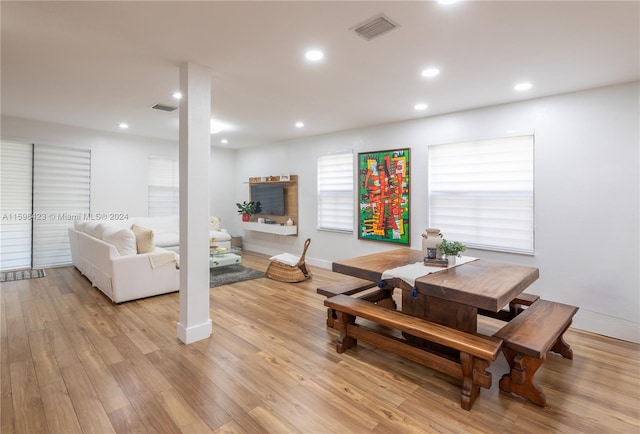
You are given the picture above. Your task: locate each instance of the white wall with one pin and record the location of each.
(222, 186)
(120, 165)
(587, 189)
(119, 162)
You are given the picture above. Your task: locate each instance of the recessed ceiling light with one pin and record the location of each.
(314, 55)
(448, 2)
(224, 141)
(430, 72)
(523, 86)
(123, 125)
(420, 106)
(177, 95)
(299, 124)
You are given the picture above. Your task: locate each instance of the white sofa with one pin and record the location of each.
(166, 231)
(106, 253)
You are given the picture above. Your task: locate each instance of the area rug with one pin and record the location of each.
(10, 276)
(231, 274)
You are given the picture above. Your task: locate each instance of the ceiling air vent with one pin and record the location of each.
(166, 108)
(374, 27)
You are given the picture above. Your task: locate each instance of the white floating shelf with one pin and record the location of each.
(270, 228)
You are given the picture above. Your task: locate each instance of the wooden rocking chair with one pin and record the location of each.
(286, 267)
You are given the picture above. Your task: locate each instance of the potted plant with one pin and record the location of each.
(247, 209)
(451, 250)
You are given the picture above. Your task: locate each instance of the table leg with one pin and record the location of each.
(440, 311)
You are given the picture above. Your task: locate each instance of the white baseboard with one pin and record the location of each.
(605, 325)
(194, 333)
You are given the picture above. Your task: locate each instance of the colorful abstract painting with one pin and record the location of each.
(383, 196)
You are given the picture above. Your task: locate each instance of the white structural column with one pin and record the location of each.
(195, 142)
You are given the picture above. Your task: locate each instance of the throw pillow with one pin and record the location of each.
(124, 240)
(214, 223)
(144, 239)
(80, 225)
(95, 229)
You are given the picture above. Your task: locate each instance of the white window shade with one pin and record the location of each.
(61, 194)
(15, 205)
(481, 193)
(335, 192)
(164, 193)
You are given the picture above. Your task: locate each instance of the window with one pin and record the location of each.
(15, 203)
(164, 192)
(335, 192)
(43, 190)
(61, 194)
(481, 193)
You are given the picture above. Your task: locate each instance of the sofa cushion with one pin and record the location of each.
(124, 240)
(166, 239)
(95, 229)
(144, 239)
(80, 225)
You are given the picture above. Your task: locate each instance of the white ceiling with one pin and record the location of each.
(95, 65)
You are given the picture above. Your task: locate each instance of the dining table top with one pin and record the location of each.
(482, 283)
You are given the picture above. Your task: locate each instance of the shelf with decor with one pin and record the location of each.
(278, 196)
(270, 228)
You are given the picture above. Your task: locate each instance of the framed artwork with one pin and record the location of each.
(383, 196)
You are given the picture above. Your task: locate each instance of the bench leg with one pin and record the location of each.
(562, 347)
(381, 297)
(520, 380)
(515, 309)
(344, 340)
(470, 390)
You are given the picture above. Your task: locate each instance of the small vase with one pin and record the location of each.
(246, 217)
(451, 259)
(289, 222)
(430, 239)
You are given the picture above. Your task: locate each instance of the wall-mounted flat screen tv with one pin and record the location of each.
(271, 197)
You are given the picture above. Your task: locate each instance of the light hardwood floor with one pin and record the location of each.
(74, 362)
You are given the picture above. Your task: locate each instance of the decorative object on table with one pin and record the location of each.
(286, 267)
(10, 276)
(231, 274)
(247, 209)
(383, 196)
(289, 222)
(430, 239)
(437, 262)
(451, 249)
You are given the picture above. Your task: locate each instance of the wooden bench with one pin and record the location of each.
(526, 341)
(351, 286)
(515, 307)
(476, 351)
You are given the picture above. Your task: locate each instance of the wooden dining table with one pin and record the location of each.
(451, 297)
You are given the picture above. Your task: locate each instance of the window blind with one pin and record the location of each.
(164, 193)
(481, 193)
(61, 194)
(15, 205)
(335, 192)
